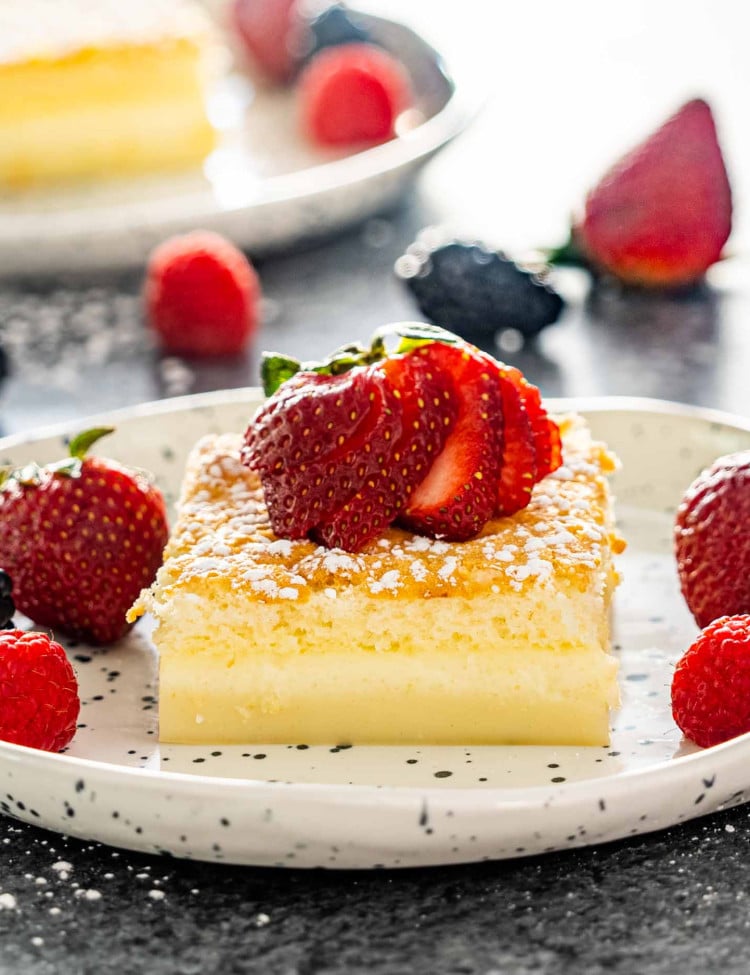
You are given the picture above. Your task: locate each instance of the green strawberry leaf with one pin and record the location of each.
(568, 254)
(79, 445)
(413, 334)
(275, 369)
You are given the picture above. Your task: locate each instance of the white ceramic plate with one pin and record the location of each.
(265, 186)
(334, 806)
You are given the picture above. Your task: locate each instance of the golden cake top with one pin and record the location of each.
(40, 29)
(223, 532)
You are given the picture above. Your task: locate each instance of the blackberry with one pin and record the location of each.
(477, 292)
(334, 25)
(7, 606)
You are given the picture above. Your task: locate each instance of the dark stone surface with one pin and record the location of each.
(670, 902)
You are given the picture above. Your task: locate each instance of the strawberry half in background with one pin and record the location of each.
(80, 539)
(436, 436)
(660, 217)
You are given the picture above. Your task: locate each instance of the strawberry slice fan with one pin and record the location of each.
(433, 436)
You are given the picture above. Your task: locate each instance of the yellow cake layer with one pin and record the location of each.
(500, 639)
(105, 89)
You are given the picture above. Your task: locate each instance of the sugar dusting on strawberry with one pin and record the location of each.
(434, 436)
(39, 701)
(81, 538)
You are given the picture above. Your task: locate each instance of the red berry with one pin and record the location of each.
(711, 546)
(39, 702)
(518, 458)
(80, 542)
(319, 441)
(265, 29)
(352, 94)
(661, 216)
(202, 295)
(435, 437)
(428, 409)
(711, 683)
(459, 494)
(545, 432)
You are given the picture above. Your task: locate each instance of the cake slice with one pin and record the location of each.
(90, 89)
(500, 639)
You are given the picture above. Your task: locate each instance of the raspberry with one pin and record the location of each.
(352, 94)
(713, 553)
(39, 701)
(202, 295)
(711, 683)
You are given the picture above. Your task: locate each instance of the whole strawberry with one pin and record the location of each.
(39, 701)
(661, 216)
(80, 539)
(711, 683)
(202, 295)
(712, 546)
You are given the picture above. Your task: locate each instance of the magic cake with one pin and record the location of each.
(503, 638)
(93, 88)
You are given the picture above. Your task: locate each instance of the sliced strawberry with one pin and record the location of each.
(545, 432)
(300, 490)
(459, 494)
(518, 467)
(429, 407)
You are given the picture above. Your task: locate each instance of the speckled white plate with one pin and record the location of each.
(265, 186)
(335, 806)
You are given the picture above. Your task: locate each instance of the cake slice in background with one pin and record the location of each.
(100, 88)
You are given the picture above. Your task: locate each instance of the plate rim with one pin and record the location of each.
(683, 767)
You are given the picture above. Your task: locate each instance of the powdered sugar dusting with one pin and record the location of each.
(224, 532)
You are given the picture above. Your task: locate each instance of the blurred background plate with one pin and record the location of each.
(265, 186)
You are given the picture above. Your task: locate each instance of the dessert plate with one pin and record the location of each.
(360, 807)
(265, 186)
